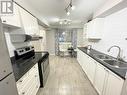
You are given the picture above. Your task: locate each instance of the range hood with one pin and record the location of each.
(17, 38)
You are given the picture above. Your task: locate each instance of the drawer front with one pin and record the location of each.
(25, 83)
(22, 82)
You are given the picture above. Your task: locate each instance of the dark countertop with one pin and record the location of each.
(118, 71)
(21, 67)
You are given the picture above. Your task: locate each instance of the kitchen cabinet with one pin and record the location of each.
(92, 69)
(79, 56)
(5, 63)
(114, 84)
(29, 22)
(95, 28)
(12, 20)
(29, 83)
(101, 77)
(88, 64)
(8, 86)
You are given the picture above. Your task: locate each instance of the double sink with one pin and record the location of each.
(111, 61)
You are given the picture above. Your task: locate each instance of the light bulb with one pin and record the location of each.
(68, 13)
(61, 22)
(72, 7)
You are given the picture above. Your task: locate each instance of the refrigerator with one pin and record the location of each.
(7, 80)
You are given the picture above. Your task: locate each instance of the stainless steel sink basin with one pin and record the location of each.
(101, 56)
(116, 64)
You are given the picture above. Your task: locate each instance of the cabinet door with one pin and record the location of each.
(87, 65)
(5, 63)
(8, 86)
(14, 19)
(78, 56)
(84, 62)
(95, 28)
(92, 70)
(100, 77)
(114, 85)
(89, 29)
(29, 22)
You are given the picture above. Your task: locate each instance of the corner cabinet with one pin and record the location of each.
(29, 22)
(105, 81)
(95, 28)
(29, 84)
(12, 20)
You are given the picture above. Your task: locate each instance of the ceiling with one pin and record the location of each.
(53, 10)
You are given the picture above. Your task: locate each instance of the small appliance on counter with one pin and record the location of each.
(25, 58)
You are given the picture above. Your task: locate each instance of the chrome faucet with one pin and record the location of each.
(118, 56)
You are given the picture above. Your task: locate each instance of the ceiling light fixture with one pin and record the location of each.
(64, 22)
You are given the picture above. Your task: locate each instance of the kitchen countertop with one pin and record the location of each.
(92, 53)
(21, 67)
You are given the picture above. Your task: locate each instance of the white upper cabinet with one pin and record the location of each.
(95, 28)
(29, 23)
(12, 20)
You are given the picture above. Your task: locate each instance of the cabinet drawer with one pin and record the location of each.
(33, 70)
(22, 82)
(25, 90)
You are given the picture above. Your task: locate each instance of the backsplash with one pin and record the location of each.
(115, 32)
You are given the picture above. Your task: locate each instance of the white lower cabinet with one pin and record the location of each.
(114, 84)
(105, 81)
(100, 77)
(29, 83)
(92, 70)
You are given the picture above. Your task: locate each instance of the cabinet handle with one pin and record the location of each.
(106, 69)
(21, 81)
(4, 71)
(7, 82)
(35, 75)
(4, 20)
(23, 93)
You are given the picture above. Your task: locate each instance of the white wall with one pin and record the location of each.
(115, 32)
(50, 38)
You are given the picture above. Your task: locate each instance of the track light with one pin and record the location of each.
(70, 6)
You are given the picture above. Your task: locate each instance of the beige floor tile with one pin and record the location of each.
(66, 78)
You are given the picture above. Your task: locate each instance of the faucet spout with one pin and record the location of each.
(118, 56)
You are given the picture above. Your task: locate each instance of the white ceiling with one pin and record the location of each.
(53, 10)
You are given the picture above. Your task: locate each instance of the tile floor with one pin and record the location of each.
(66, 78)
